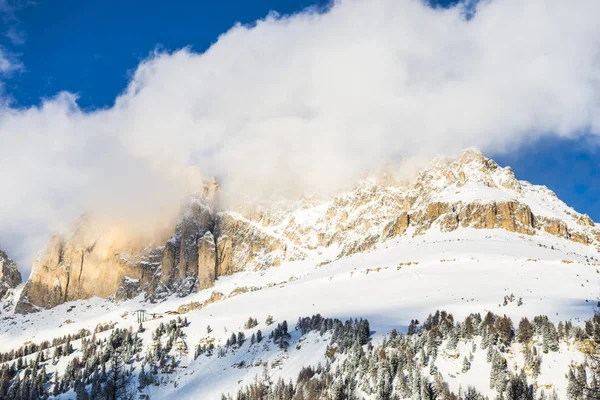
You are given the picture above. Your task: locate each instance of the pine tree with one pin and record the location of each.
(80, 391)
(142, 381)
(416, 384)
(472, 394)
(384, 381)
(96, 386)
(241, 338)
(116, 387)
(525, 332)
(15, 388)
(423, 358)
(498, 372)
(452, 340)
(429, 392)
(490, 353)
(466, 365)
(576, 382)
(56, 386)
(551, 338)
(517, 388)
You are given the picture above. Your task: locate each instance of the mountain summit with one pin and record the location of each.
(208, 242)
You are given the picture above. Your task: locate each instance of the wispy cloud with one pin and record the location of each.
(17, 37)
(9, 63)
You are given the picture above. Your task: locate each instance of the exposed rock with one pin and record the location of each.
(434, 210)
(207, 261)
(552, 226)
(210, 189)
(244, 243)
(10, 277)
(449, 222)
(510, 215)
(169, 260)
(79, 268)
(585, 220)
(224, 255)
(198, 220)
(397, 227)
(581, 237)
(128, 288)
(360, 245)
(99, 262)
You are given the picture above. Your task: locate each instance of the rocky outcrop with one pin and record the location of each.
(81, 267)
(585, 220)
(128, 288)
(509, 215)
(553, 226)
(207, 261)
(170, 259)
(101, 262)
(242, 242)
(224, 255)
(581, 237)
(10, 277)
(396, 227)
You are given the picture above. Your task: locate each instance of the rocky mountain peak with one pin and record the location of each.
(10, 277)
(470, 191)
(472, 154)
(210, 188)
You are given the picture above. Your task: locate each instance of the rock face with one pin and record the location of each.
(205, 244)
(509, 215)
(207, 261)
(469, 192)
(89, 263)
(10, 277)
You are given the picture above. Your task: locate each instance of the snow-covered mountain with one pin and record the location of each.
(208, 242)
(464, 236)
(10, 277)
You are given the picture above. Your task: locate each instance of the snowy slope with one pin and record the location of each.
(461, 272)
(389, 282)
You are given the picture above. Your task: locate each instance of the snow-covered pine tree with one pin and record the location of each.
(525, 331)
(466, 365)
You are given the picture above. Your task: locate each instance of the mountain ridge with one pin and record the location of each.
(470, 191)
(10, 277)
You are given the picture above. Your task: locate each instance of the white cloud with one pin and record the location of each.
(8, 63)
(17, 37)
(306, 101)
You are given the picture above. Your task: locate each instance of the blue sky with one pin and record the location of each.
(91, 48)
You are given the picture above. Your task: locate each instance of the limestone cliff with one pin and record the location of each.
(10, 277)
(101, 261)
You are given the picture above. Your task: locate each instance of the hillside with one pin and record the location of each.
(464, 236)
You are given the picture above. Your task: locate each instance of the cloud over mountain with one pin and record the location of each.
(304, 102)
